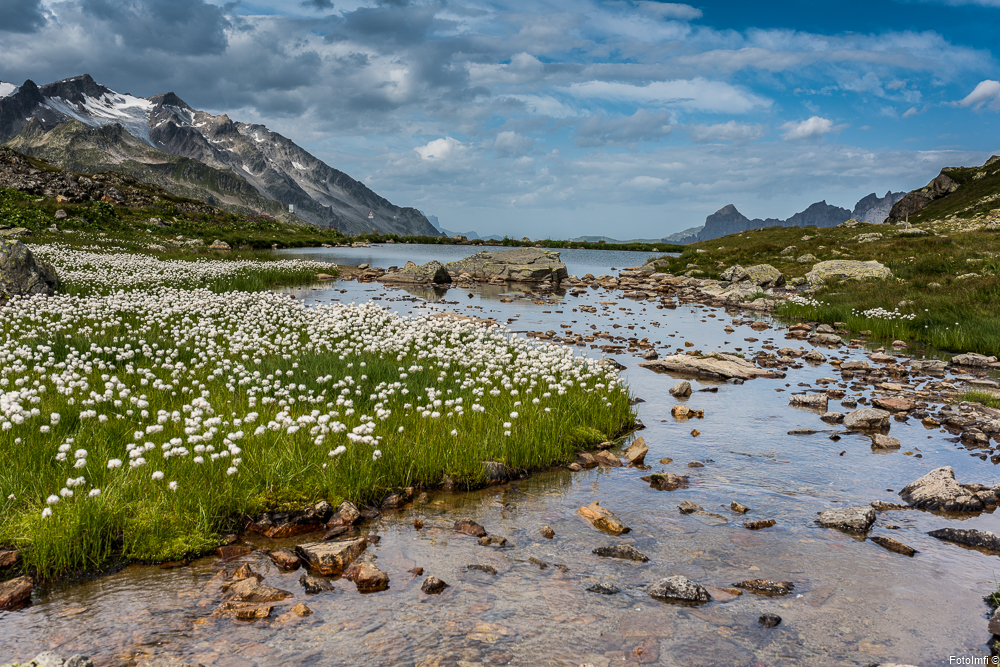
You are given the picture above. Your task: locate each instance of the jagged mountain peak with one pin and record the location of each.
(275, 166)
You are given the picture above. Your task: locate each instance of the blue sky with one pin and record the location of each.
(561, 118)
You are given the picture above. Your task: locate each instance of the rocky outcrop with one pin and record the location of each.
(914, 201)
(21, 274)
(718, 365)
(847, 269)
(939, 490)
(431, 272)
(874, 209)
(530, 265)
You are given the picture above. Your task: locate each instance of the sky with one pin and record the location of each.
(561, 118)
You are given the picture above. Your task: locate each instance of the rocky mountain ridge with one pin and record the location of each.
(957, 193)
(192, 153)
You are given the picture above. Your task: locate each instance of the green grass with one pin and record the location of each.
(990, 399)
(952, 313)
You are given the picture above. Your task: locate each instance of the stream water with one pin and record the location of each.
(854, 603)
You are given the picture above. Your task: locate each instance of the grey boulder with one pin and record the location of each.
(856, 519)
(21, 274)
(679, 589)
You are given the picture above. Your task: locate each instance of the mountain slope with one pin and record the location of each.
(278, 170)
(971, 193)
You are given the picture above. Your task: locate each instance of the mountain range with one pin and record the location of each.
(83, 126)
(728, 220)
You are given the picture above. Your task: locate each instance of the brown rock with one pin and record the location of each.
(15, 592)
(252, 590)
(346, 515)
(313, 585)
(603, 519)
(738, 507)
(417, 571)
(433, 586)
(232, 551)
(285, 559)
(766, 586)
(9, 557)
(244, 611)
(666, 482)
(331, 558)
(894, 545)
(547, 532)
(585, 460)
(758, 524)
(894, 404)
(636, 452)
(244, 571)
(367, 577)
(882, 441)
(300, 610)
(470, 527)
(607, 459)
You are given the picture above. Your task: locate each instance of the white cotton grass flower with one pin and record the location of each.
(94, 493)
(115, 463)
(157, 475)
(52, 500)
(231, 471)
(172, 486)
(338, 451)
(376, 455)
(46, 512)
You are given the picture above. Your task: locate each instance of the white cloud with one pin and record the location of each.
(731, 131)
(695, 94)
(912, 111)
(512, 144)
(441, 149)
(986, 94)
(810, 128)
(545, 105)
(670, 10)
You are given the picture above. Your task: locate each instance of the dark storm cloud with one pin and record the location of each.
(190, 27)
(317, 4)
(21, 15)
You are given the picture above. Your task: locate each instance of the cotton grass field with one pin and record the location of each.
(142, 422)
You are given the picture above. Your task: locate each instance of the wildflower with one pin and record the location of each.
(376, 455)
(52, 500)
(47, 512)
(172, 486)
(231, 471)
(94, 493)
(115, 463)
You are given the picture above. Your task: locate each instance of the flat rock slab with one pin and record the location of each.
(679, 589)
(252, 590)
(968, 537)
(623, 551)
(855, 519)
(603, 519)
(724, 366)
(938, 490)
(331, 558)
(811, 401)
(867, 419)
(894, 404)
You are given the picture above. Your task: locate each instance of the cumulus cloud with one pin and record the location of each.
(619, 130)
(811, 128)
(696, 94)
(985, 95)
(440, 149)
(512, 144)
(24, 16)
(729, 132)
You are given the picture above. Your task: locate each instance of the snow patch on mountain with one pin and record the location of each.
(298, 166)
(131, 112)
(7, 89)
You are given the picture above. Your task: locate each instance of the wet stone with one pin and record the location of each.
(679, 589)
(347, 514)
(938, 490)
(894, 545)
(688, 507)
(433, 586)
(884, 442)
(313, 585)
(607, 459)
(15, 592)
(603, 519)
(666, 482)
(331, 558)
(855, 519)
(488, 569)
(367, 577)
(766, 586)
(547, 532)
(232, 551)
(604, 589)
(769, 620)
(285, 559)
(758, 524)
(681, 389)
(968, 537)
(493, 541)
(252, 590)
(470, 527)
(738, 507)
(623, 551)
(636, 452)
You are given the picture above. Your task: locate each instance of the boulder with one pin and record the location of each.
(532, 265)
(847, 269)
(929, 365)
(21, 274)
(220, 246)
(603, 519)
(972, 359)
(855, 519)
(679, 589)
(894, 404)
(866, 419)
(811, 401)
(760, 275)
(347, 514)
(331, 558)
(431, 272)
(938, 490)
(881, 441)
(636, 452)
(717, 365)
(623, 551)
(433, 586)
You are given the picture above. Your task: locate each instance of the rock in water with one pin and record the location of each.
(866, 419)
(346, 515)
(331, 558)
(433, 586)
(313, 585)
(970, 538)
(533, 265)
(623, 551)
(679, 589)
(716, 365)
(252, 590)
(766, 586)
(367, 577)
(603, 519)
(938, 490)
(666, 482)
(880, 441)
(636, 452)
(855, 519)
(769, 620)
(681, 389)
(604, 589)
(15, 592)
(470, 527)
(431, 272)
(21, 274)
(812, 401)
(894, 545)
(847, 269)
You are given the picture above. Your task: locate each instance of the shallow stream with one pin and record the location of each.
(854, 603)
